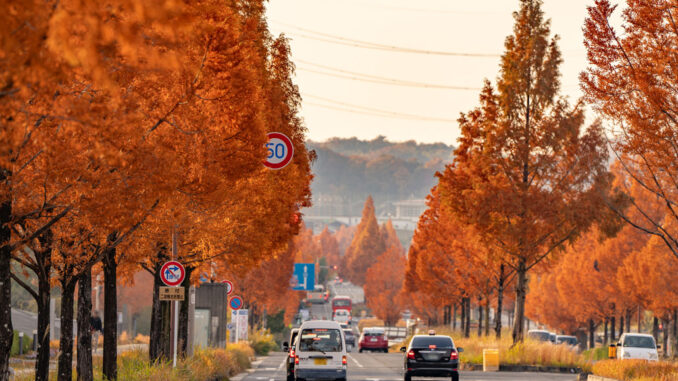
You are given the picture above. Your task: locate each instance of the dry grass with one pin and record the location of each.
(528, 353)
(142, 339)
(370, 323)
(636, 370)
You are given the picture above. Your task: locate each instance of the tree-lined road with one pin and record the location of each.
(385, 367)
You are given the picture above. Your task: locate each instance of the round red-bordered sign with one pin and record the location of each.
(172, 273)
(229, 286)
(280, 150)
(235, 303)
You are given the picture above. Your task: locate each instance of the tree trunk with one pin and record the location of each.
(500, 301)
(84, 366)
(454, 317)
(605, 337)
(43, 259)
(487, 317)
(110, 362)
(592, 331)
(628, 320)
(462, 324)
(65, 369)
(467, 331)
(621, 325)
(613, 329)
(675, 332)
(665, 331)
(183, 315)
(639, 321)
(521, 291)
(655, 329)
(6, 329)
(43, 302)
(480, 318)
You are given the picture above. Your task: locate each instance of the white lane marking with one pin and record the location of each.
(355, 361)
(268, 369)
(282, 364)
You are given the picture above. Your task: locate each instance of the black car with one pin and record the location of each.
(290, 349)
(350, 339)
(431, 356)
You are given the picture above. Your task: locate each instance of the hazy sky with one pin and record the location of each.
(477, 27)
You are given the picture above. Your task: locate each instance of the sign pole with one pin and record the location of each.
(176, 303)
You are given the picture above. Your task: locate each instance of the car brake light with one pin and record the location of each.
(296, 360)
(343, 360)
(410, 354)
(454, 355)
(292, 353)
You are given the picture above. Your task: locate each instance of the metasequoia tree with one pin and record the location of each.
(383, 284)
(366, 246)
(631, 81)
(329, 247)
(526, 175)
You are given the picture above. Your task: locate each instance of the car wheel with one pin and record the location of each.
(408, 377)
(360, 350)
(341, 379)
(386, 350)
(455, 377)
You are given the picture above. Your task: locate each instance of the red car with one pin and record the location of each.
(373, 339)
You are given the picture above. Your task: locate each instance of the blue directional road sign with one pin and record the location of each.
(303, 277)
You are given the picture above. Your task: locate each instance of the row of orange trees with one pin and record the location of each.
(531, 197)
(124, 124)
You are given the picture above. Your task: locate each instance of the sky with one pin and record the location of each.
(351, 99)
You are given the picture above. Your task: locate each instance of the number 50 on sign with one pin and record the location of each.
(279, 150)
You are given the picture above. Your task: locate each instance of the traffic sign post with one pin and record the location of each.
(172, 273)
(303, 278)
(229, 286)
(235, 303)
(280, 150)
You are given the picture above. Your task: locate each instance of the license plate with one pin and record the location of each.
(373, 340)
(320, 361)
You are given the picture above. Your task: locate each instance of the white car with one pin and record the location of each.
(637, 346)
(320, 351)
(342, 316)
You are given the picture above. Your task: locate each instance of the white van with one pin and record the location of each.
(637, 346)
(320, 351)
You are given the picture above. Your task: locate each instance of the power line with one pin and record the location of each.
(349, 107)
(339, 40)
(346, 74)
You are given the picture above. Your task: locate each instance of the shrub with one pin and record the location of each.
(142, 339)
(262, 342)
(370, 323)
(636, 370)
(27, 344)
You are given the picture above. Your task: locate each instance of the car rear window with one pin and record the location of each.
(639, 342)
(426, 342)
(320, 340)
(374, 334)
(341, 302)
(348, 332)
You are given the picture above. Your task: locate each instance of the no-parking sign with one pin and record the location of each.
(280, 150)
(235, 303)
(172, 273)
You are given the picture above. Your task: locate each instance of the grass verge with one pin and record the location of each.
(636, 370)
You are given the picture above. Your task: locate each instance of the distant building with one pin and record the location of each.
(409, 209)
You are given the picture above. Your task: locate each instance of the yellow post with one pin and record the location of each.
(490, 360)
(612, 351)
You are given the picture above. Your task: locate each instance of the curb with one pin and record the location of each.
(599, 378)
(525, 368)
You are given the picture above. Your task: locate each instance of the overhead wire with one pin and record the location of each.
(349, 107)
(330, 38)
(346, 74)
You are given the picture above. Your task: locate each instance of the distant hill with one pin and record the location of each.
(348, 170)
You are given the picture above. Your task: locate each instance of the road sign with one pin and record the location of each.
(303, 277)
(172, 293)
(280, 150)
(229, 286)
(172, 273)
(235, 303)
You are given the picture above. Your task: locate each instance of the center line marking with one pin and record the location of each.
(355, 361)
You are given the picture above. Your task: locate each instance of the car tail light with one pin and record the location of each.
(343, 360)
(292, 354)
(454, 355)
(296, 360)
(410, 354)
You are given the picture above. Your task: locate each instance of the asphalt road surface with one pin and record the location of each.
(386, 367)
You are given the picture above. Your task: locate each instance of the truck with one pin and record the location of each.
(318, 295)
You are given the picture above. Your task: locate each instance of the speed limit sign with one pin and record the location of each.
(279, 150)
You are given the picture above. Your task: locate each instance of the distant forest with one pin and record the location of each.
(389, 171)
